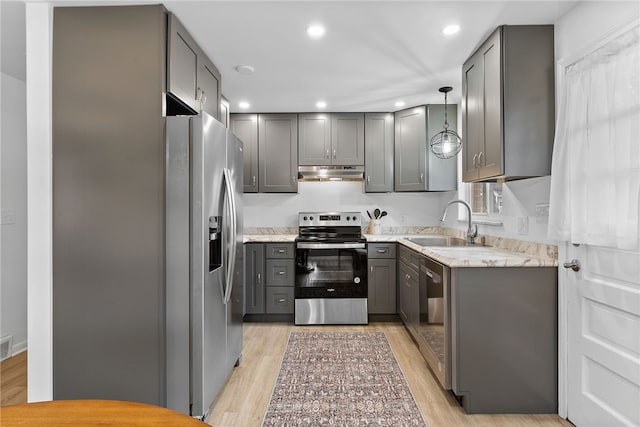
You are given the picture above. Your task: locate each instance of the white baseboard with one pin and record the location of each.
(18, 348)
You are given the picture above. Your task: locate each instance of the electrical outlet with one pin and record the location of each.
(523, 225)
(542, 213)
(7, 216)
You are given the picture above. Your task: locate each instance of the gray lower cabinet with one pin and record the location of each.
(278, 153)
(280, 300)
(245, 127)
(378, 152)
(254, 269)
(408, 288)
(508, 107)
(504, 339)
(331, 139)
(382, 278)
(416, 168)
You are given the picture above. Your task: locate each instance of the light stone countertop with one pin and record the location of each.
(454, 257)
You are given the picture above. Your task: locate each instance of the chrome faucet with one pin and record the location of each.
(472, 229)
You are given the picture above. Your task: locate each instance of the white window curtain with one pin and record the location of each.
(595, 174)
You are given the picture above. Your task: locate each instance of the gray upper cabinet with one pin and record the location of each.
(245, 127)
(315, 139)
(331, 139)
(192, 79)
(278, 153)
(208, 86)
(378, 154)
(347, 139)
(182, 70)
(508, 107)
(416, 168)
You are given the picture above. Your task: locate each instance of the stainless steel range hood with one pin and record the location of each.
(331, 173)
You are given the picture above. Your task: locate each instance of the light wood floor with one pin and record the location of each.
(246, 394)
(13, 380)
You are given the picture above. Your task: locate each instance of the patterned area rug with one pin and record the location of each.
(341, 379)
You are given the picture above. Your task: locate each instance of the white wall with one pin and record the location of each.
(404, 209)
(13, 178)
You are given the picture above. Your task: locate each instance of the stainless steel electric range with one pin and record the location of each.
(331, 269)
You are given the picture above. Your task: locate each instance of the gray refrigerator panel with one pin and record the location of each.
(108, 214)
(208, 319)
(235, 165)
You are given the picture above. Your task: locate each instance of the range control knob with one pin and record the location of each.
(305, 218)
(347, 218)
(311, 218)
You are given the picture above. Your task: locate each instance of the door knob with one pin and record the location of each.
(574, 264)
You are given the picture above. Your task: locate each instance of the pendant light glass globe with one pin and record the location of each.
(446, 143)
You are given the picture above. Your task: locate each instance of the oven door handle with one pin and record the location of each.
(303, 245)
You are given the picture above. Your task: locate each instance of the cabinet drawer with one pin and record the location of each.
(279, 250)
(280, 272)
(279, 300)
(381, 250)
(410, 258)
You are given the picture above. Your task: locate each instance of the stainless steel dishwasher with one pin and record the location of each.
(434, 329)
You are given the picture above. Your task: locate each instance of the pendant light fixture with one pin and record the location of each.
(446, 143)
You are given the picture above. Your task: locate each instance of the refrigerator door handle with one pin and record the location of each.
(232, 251)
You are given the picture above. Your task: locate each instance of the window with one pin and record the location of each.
(485, 198)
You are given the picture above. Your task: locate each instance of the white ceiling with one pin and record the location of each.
(373, 53)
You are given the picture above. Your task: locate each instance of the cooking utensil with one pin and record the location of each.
(376, 213)
(384, 213)
(369, 215)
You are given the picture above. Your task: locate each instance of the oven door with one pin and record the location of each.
(331, 270)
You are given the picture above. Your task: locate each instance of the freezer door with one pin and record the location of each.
(235, 303)
(208, 314)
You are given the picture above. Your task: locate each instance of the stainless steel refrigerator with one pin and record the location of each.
(204, 249)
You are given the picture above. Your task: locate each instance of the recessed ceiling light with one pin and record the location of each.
(450, 29)
(245, 69)
(315, 31)
(400, 104)
(321, 104)
(244, 105)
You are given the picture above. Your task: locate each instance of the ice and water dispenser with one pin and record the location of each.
(215, 242)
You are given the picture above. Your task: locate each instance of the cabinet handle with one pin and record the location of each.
(382, 251)
(480, 156)
(368, 178)
(422, 178)
(203, 98)
(282, 300)
(281, 273)
(253, 180)
(334, 153)
(281, 251)
(293, 178)
(327, 155)
(475, 157)
(198, 94)
(259, 279)
(371, 270)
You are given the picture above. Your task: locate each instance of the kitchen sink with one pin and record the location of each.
(440, 241)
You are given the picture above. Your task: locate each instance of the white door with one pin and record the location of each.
(603, 337)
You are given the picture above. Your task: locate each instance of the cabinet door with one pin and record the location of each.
(280, 300)
(472, 115)
(209, 86)
(442, 173)
(315, 139)
(254, 278)
(382, 286)
(378, 152)
(182, 70)
(347, 139)
(410, 149)
(245, 127)
(490, 156)
(278, 153)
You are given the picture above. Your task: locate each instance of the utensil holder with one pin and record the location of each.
(375, 227)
